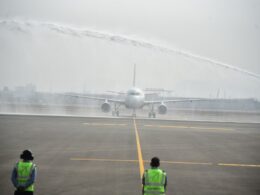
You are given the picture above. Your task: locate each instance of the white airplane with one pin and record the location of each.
(134, 99)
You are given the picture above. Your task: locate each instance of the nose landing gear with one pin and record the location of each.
(134, 113)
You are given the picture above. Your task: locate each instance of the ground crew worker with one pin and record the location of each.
(154, 179)
(24, 173)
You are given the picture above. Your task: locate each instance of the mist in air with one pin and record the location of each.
(195, 49)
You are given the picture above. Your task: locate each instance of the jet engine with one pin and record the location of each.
(106, 107)
(162, 109)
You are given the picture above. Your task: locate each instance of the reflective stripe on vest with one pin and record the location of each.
(154, 181)
(24, 172)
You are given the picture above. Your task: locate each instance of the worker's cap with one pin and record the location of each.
(27, 155)
(155, 162)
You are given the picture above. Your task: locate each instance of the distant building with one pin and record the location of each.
(29, 88)
(5, 89)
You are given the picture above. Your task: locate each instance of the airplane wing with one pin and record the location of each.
(168, 101)
(117, 92)
(151, 93)
(95, 98)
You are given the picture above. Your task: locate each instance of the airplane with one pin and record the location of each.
(134, 99)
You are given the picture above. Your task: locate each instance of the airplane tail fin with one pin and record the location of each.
(134, 77)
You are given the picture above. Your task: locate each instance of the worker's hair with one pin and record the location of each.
(26, 155)
(155, 162)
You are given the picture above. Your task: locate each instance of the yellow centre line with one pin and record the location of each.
(189, 127)
(139, 151)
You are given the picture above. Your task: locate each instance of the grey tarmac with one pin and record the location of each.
(97, 156)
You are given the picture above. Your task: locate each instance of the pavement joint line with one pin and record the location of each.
(187, 163)
(139, 151)
(104, 124)
(189, 127)
(166, 162)
(145, 161)
(101, 159)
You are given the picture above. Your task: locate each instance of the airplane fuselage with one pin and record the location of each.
(135, 98)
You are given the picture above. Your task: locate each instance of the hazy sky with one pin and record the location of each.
(66, 45)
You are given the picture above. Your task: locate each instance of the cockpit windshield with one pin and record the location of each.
(134, 93)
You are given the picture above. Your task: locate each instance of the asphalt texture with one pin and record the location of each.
(77, 155)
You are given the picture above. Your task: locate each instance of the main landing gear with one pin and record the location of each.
(115, 112)
(152, 113)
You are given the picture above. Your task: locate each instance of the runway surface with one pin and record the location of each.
(77, 155)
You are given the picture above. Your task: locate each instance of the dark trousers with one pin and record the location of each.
(22, 193)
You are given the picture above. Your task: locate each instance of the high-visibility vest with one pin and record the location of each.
(24, 171)
(154, 181)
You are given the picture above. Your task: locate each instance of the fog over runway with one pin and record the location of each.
(91, 155)
(55, 58)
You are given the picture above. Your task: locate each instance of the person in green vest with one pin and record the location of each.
(154, 179)
(24, 174)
